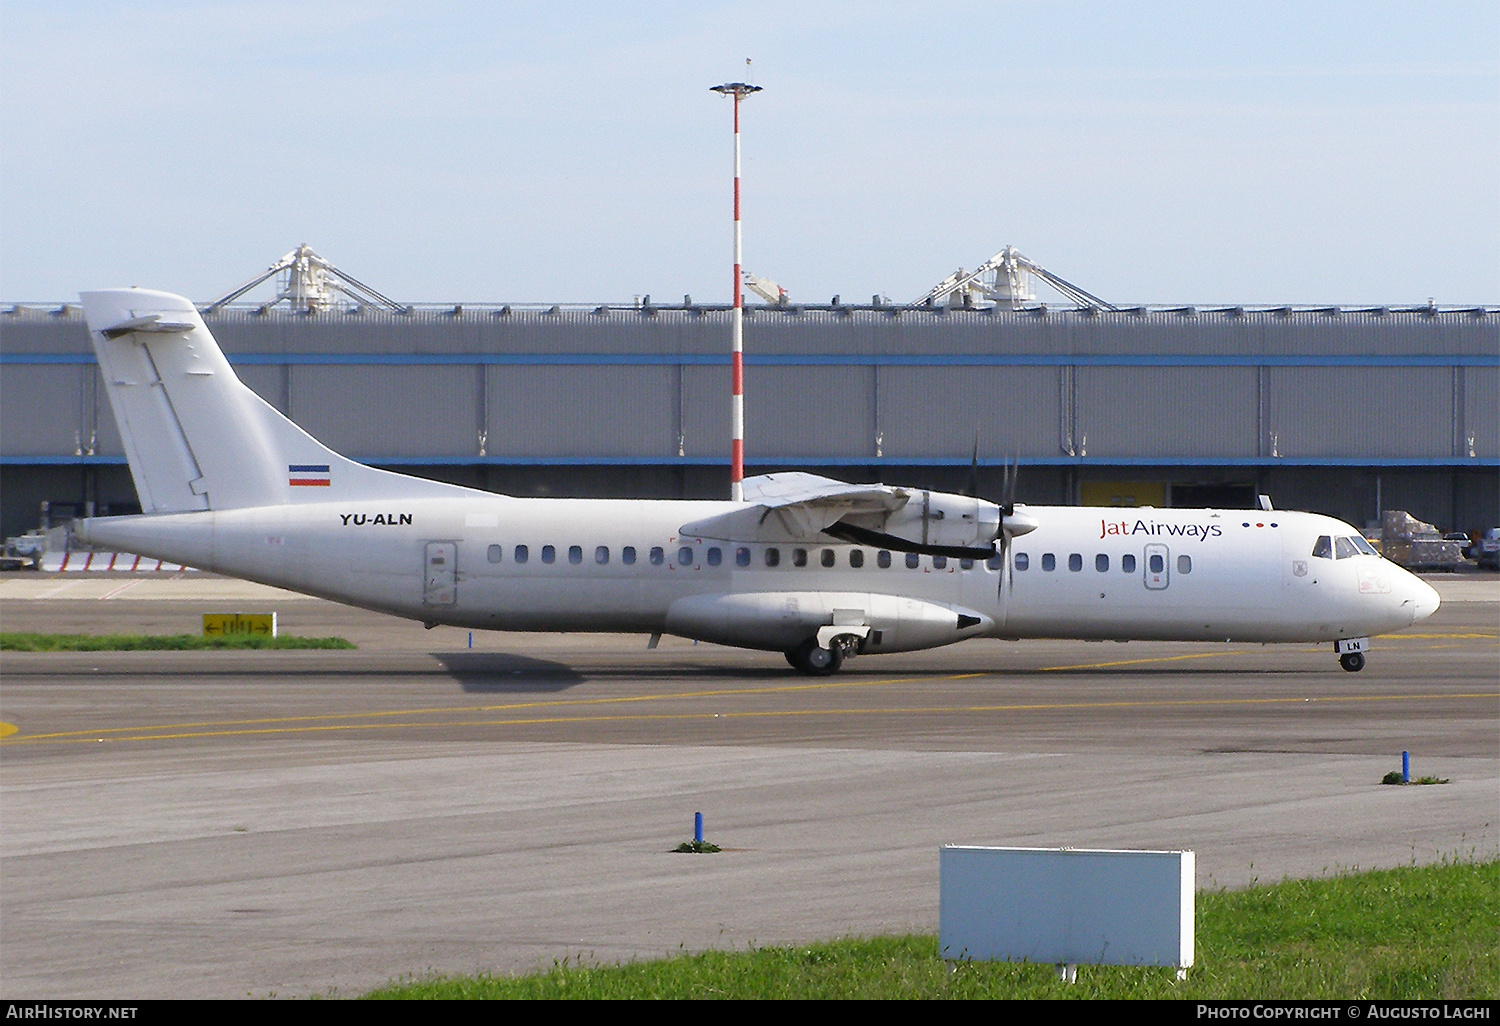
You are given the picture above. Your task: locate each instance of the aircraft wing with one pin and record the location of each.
(796, 507)
(806, 508)
(778, 491)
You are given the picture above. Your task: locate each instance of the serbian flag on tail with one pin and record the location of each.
(308, 475)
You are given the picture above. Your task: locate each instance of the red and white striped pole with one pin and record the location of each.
(738, 90)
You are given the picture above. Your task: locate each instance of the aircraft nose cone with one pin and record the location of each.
(1427, 600)
(1424, 599)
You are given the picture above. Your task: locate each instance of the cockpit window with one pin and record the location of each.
(1345, 548)
(1323, 547)
(1364, 546)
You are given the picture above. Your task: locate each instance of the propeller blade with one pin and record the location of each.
(973, 491)
(880, 540)
(1008, 496)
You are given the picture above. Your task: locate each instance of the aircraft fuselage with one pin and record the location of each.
(521, 564)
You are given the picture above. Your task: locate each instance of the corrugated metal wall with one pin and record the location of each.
(859, 384)
(1371, 412)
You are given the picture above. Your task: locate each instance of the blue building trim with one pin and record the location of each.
(804, 360)
(1391, 463)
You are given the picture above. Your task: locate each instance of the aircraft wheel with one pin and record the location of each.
(1352, 661)
(814, 661)
(792, 657)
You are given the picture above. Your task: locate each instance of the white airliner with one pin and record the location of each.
(808, 566)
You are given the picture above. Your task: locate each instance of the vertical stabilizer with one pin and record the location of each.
(195, 435)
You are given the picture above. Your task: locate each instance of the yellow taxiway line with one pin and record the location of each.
(260, 727)
(319, 722)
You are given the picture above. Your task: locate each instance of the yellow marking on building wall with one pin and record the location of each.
(1123, 493)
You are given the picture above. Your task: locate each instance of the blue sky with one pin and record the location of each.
(1152, 153)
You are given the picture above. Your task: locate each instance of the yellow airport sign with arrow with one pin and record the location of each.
(225, 625)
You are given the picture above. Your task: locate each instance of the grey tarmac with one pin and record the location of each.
(225, 824)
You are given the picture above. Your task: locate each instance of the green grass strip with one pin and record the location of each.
(17, 642)
(1418, 933)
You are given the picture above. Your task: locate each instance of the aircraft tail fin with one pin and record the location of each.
(195, 435)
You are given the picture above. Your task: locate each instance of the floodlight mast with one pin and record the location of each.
(738, 90)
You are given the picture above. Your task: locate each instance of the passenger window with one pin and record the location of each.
(856, 558)
(1344, 548)
(1075, 562)
(939, 562)
(627, 555)
(913, 560)
(1101, 563)
(601, 555)
(827, 558)
(742, 556)
(995, 562)
(1184, 564)
(575, 553)
(1023, 561)
(658, 556)
(685, 555)
(1049, 562)
(549, 554)
(773, 556)
(522, 553)
(1127, 562)
(799, 557)
(1156, 563)
(883, 559)
(715, 555)
(1323, 547)
(495, 553)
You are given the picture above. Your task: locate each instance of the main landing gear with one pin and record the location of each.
(814, 660)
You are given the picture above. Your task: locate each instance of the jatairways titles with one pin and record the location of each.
(814, 568)
(1202, 531)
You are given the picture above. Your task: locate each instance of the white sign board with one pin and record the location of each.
(1066, 906)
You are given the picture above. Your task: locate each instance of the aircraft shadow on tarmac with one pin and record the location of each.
(507, 673)
(503, 673)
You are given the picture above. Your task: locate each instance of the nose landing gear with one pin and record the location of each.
(1352, 653)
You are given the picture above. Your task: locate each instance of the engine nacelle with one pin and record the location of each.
(936, 519)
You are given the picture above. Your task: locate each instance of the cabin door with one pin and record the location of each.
(1158, 567)
(440, 576)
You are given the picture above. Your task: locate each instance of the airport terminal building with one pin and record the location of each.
(1338, 410)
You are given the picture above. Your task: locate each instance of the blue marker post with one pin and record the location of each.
(697, 828)
(1405, 767)
(471, 639)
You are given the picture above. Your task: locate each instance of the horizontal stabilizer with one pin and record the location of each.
(151, 323)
